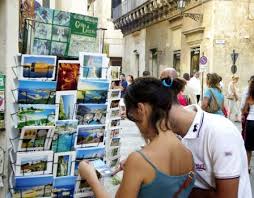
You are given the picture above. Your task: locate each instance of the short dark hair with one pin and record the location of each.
(146, 73)
(251, 78)
(186, 76)
(122, 74)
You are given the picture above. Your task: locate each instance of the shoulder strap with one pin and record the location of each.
(146, 159)
(214, 96)
(187, 182)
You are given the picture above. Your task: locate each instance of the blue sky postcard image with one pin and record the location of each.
(85, 84)
(38, 67)
(91, 114)
(36, 92)
(92, 153)
(66, 126)
(66, 104)
(36, 115)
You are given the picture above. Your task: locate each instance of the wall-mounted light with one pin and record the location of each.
(181, 6)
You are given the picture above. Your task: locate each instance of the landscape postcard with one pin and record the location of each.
(34, 163)
(36, 92)
(68, 74)
(64, 164)
(33, 186)
(89, 136)
(36, 115)
(63, 126)
(37, 67)
(66, 103)
(91, 114)
(35, 138)
(90, 153)
(91, 91)
(115, 141)
(64, 186)
(92, 59)
(115, 94)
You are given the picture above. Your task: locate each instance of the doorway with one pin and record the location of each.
(194, 64)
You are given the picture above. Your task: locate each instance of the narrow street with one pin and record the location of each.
(131, 141)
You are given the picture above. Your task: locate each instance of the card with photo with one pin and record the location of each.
(2, 101)
(115, 152)
(43, 31)
(83, 188)
(103, 169)
(68, 74)
(66, 103)
(89, 136)
(64, 135)
(36, 115)
(36, 92)
(115, 85)
(90, 153)
(91, 91)
(64, 164)
(115, 72)
(44, 15)
(114, 132)
(115, 113)
(34, 163)
(58, 48)
(114, 162)
(115, 123)
(61, 18)
(60, 33)
(115, 141)
(33, 186)
(114, 104)
(41, 47)
(35, 138)
(115, 94)
(93, 72)
(64, 186)
(37, 67)
(91, 114)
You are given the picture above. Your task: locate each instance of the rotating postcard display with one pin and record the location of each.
(62, 115)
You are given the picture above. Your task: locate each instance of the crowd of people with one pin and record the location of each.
(193, 148)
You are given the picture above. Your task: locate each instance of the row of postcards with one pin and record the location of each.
(81, 126)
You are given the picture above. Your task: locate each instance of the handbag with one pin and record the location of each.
(213, 105)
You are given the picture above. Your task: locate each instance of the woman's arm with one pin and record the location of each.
(246, 107)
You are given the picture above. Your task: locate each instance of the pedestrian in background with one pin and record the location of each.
(146, 74)
(130, 79)
(213, 101)
(233, 98)
(168, 72)
(248, 110)
(195, 84)
(123, 85)
(188, 91)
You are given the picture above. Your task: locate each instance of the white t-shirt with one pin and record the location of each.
(195, 84)
(218, 151)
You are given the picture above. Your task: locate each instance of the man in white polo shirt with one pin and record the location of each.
(219, 156)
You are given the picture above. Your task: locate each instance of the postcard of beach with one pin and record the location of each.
(91, 91)
(66, 103)
(64, 164)
(36, 115)
(37, 67)
(115, 72)
(115, 141)
(33, 186)
(34, 163)
(91, 114)
(35, 138)
(64, 135)
(89, 136)
(36, 92)
(68, 74)
(90, 153)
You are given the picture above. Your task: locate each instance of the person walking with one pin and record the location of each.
(164, 167)
(233, 99)
(195, 84)
(248, 109)
(213, 101)
(123, 85)
(188, 91)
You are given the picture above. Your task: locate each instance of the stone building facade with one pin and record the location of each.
(158, 35)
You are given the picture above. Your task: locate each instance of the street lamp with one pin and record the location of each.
(181, 6)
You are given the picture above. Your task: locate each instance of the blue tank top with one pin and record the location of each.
(166, 186)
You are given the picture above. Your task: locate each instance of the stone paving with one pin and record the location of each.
(132, 140)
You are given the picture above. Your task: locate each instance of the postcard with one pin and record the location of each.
(35, 138)
(64, 164)
(41, 47)
(2, 120)
(90, 91)
(44, 15)
(93, 72)
(114, 104)
(43, 31)
(115, 141)
(115, 113)
(36, 115)
(60, 33)
(90, 153)
(91, 114)
(66, 103)
(115, 123)
(64, 186)
(89, 136)
(33, 186)
(68, 74)
(115, 152)
(114, 133)
(83, 188)
(2, 101)
(115, 94)
(36, 92)
(63, 126)
(114, 162)
(38, 67)
(34, 163)
(61, 18)
(58, 48)
(101, 168)
(115, 72)
(115, 85)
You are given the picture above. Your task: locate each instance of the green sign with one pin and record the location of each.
(2, 82)
(83, 25)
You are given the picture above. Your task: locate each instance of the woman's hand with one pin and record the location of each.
(88, 173)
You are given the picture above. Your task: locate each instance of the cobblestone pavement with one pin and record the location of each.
(131, 141)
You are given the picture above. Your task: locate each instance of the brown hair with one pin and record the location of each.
(251, 89)
(213, 81)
